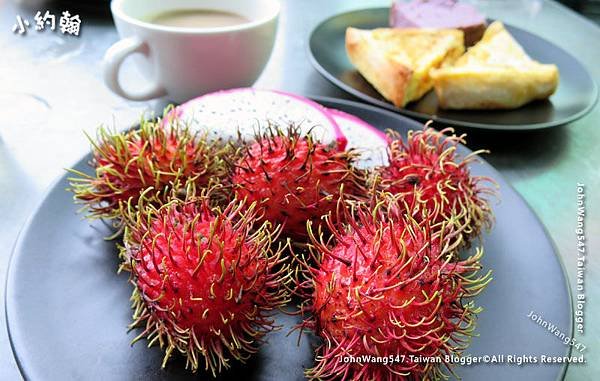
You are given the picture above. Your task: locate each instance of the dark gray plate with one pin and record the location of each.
(576, 94)
(67, 309)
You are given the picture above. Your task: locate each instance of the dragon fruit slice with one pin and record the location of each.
(365, 138)
(222, 114)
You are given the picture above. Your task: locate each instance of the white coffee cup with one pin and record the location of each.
(182, 63)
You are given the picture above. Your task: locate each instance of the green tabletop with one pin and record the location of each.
(51, 90)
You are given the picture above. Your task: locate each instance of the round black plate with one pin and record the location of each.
(67, 309)
(576, 94)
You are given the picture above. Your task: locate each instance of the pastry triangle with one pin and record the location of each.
(397, 61)
(496, 73)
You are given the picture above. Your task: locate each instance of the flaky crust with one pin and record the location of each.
(495, 74)
(397, 61)
(463, 88)
(389, 78)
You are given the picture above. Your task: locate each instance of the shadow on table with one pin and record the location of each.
(535, 149)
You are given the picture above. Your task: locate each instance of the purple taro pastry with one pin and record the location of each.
(439, 14)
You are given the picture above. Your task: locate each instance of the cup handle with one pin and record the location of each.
(113, 59)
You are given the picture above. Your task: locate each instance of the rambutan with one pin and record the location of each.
(294, 178)
(206, 280)
(127, 163)
(431, 177)
(384, 288)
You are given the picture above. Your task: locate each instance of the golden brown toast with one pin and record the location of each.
(397, 61)
(496, 73)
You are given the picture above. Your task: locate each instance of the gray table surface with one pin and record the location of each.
(51, 90)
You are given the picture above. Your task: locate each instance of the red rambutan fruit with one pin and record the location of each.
(429, 175)
(206, 280)
(385, 288)
(294, 178)
(127, 163)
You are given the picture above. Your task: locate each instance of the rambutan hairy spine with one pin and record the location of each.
(386, 286)
(206, 279)
(432, 178)
(294, 178)
(127, 163)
